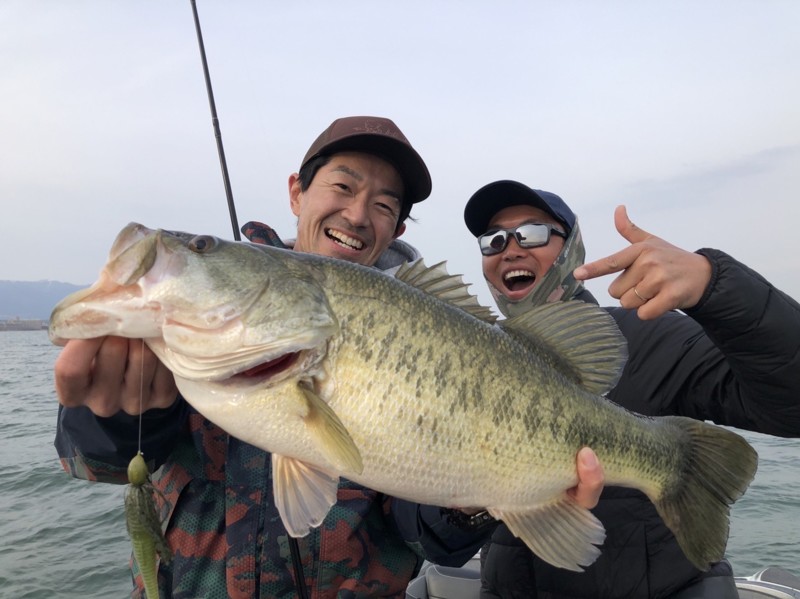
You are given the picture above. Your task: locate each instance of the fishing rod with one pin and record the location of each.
(215, 122)
(293, 544)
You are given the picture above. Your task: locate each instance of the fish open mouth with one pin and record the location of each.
(271, 368)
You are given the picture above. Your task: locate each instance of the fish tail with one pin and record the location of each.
(695, 505)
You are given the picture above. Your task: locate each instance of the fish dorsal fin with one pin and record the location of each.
(583, 337)
(439, 283)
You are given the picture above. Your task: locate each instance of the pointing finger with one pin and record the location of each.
(621, 260)
(616, 262)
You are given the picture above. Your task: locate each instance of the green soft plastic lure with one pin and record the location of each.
(144, 525)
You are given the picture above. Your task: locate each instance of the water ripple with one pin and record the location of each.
(74, 530)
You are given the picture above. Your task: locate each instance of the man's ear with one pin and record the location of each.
(295, 193)
(400, 230)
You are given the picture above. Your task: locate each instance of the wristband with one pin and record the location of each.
(466, 522)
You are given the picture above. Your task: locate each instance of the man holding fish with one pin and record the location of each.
(352, 194)
(361, 379)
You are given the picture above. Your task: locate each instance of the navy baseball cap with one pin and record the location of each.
(494, 197)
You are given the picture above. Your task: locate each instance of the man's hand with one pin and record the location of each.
(110, 374)
(590, 482)
(657, 276)
(590, 479)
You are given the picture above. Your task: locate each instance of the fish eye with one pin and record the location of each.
(202, 243)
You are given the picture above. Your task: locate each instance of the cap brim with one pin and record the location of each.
(494, 197)
(412, 169)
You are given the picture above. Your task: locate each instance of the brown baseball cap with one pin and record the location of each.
(381, 137)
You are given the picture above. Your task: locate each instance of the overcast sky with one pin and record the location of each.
(688, 112)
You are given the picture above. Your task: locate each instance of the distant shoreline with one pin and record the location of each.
(27, 305)
(26, 324)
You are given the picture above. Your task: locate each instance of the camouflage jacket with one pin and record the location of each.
(215, 498)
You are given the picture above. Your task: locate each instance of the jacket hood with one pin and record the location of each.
(393, 256)
(397, 253)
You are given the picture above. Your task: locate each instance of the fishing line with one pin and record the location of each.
(142, 519)
(141, 398)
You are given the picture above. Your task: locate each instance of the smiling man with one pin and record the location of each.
(514, 268)
(733, 358)
(354, 189)
(351, 208)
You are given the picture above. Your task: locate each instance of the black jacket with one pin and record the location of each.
(735, 360)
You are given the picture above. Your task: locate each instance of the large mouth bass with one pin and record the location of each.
(404, 384)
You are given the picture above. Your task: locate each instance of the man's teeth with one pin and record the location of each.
(345, 240)
(517, 273)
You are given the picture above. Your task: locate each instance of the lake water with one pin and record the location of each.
(65, 538)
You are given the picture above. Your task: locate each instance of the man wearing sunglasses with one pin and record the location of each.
(733, 358)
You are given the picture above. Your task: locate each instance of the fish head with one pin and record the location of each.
(209, 308)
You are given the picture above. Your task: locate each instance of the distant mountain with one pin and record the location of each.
(32, 299)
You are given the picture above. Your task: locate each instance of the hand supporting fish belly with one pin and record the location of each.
(404, 384)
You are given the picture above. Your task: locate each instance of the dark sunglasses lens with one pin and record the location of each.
(493, 243)
(533, 235)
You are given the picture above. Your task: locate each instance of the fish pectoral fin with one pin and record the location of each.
(329, 434)
(561, 533)
(303, 493)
